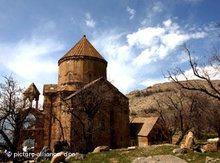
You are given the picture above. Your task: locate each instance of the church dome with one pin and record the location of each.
(82, 49)
(80, 65)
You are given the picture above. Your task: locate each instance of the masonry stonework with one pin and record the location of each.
(81, 70)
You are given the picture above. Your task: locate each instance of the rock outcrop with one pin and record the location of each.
(142, 101)
(189, 141)
(159, 159)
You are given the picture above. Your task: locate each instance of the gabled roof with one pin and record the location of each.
(97, 81)
(147, 124)
(32, 89)
(83, 48)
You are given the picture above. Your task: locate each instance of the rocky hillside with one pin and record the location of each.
(139, 100)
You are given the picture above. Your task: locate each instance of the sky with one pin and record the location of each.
(140, 39)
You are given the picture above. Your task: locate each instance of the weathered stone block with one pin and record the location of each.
(101, 149)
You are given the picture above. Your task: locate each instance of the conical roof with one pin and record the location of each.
(32, 89)
(83, 48)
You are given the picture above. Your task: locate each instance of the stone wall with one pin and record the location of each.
(111, 123)
(79, 70)
(35, 131)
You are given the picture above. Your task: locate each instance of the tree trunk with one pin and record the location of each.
(11, 146)
(89, 137)
(170, 137)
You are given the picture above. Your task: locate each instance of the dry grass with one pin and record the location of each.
(139, 100)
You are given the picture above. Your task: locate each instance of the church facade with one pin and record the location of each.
(84, 108)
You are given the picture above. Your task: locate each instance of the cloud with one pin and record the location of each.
(129, 60)
(157, 42)
(153, 12)
(158, 7)
(167, 23)
(144, 37)
(213, 73)
(29, 58)
(181, 58)
(151, 82)
(131, 12)
(89, 21)
(120, 71)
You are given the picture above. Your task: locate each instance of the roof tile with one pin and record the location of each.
(83, 48)
(148, 124)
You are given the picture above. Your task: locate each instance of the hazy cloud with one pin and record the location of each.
(131, 12)
(89, 21)
(212, 71)
(126, 60)
(28, 57)
(151, 82)
(120, 71)
(158, 42)
(158, 7)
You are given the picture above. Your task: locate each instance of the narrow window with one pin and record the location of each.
(70, 76)
(90, 77)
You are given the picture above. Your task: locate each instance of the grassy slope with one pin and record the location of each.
(125, 156)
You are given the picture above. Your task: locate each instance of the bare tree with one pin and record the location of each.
(167, 121)
(208, 86)
(62, 136)
(57, 119)
(12, 116)
(201, 73)
(181, 110)
(83, 106)
(212, 116)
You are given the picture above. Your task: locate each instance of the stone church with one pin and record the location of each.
(84, 108)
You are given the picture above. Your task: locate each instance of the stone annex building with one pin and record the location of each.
(83, 105)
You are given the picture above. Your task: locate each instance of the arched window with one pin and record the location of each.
(28, 144)
(70, 77)
(29, 121)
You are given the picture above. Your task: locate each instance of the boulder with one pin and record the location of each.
(100, 149)
(214, 140)
(132, 148)
(159, 159)
(211, 160)
(59, 157)
(210, 147)
(182, 146)
(179, 151)
(189, 140)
